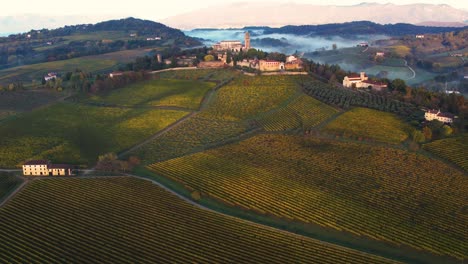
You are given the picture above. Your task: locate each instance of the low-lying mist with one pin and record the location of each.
(284, 43)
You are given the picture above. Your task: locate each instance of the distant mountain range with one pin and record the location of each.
(360, 28)
(276, 14)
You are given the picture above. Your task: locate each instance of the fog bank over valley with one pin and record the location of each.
(285, 43)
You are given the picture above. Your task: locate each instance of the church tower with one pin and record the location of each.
(247, 41)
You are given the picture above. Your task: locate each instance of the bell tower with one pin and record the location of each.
(247, 41)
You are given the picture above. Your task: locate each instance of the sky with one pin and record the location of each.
(24, 15)
(153, 9)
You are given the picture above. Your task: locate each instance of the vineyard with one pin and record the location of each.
(196, 74)
(384, 194)
(20, 101)
(8, 182)
(246, 97)
(77, 134)
(195, 134)
(303, 112)
(452, 149)
(123, 220)
(180, 93)
(345, 98)
(366, 123)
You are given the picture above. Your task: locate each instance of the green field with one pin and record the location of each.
(384, 194)
(367, 123)
(179, 93)
(303, 112)
(247, 97)
(123, 220)
(452, 149)
(8, 182)
(77, 134)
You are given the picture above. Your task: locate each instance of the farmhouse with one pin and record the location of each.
(45, 168)
(293, 63)
(50, 76)
(355, 79)
(437, 115)
(363, 44)
(420, 36)
(362, 81)
(380, 54)
(114, 74)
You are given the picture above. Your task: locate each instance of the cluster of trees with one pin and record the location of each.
(106, 83)
(345, 98)
(110, 163)
(430, 131)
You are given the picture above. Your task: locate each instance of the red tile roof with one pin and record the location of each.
(60, 166)
(37, 162)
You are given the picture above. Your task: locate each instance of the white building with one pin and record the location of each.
(44, 168)
(362, 81)
(50, 76)
(437, 115)
(420, 36)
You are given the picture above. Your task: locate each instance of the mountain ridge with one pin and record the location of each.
(281, 14)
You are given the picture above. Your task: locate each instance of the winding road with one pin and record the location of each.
(411, 69)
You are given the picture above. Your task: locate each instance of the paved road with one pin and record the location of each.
(411, 69)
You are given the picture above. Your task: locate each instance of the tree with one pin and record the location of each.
(427, 133)
(446, 131)
(398, 85)
(208, 57)
(418, 136)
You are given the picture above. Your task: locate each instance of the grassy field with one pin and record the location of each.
(120, 220)
(452, 149)
(8, 182)
(180, 93)
(247, 97)
(303, 112)
(77, 134)
(384, 194)
(370, 124)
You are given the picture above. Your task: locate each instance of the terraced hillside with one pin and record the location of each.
(452, 149)
(121, 220)
(178, 93)
(8, 182)
(303, 112)
(370, 124)
(195, 134)
(247, 97)
(385, 194)
(77, 134)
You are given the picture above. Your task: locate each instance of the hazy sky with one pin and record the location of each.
(158, 9)
(23, 15)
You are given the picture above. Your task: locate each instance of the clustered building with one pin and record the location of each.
(362, 81)
(233, 45)
(45, 168)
